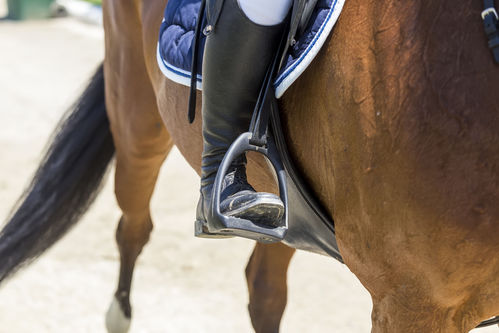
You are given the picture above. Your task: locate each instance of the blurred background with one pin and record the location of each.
(182, 284)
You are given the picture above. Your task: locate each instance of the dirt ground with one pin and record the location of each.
(182, 284)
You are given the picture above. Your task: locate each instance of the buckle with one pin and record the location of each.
(490, 10)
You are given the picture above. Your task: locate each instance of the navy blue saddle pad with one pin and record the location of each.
(174, 53)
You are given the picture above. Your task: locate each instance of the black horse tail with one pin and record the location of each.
(67, 181)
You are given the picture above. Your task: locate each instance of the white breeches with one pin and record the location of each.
(265, 12)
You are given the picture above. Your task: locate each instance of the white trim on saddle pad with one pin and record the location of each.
(289, 76)
(176, 74)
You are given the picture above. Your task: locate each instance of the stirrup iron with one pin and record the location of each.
(235, 226)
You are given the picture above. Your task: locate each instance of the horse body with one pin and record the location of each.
(394, 126)
(414, 162)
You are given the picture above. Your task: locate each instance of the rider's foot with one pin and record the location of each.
(239, 199)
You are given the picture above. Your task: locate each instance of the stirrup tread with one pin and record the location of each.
(242, 227)
(201, 231)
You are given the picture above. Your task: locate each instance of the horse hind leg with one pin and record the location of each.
(136, 174)
(266, 275)
(140, 155)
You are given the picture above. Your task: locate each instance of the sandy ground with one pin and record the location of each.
(182, 284)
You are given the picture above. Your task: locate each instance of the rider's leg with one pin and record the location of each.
(237, 54)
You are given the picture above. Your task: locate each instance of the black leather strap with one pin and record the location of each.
(261, 114)
(490, 24)
(191, 113)
(301, 12)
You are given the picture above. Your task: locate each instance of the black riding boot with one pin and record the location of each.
(236, 57)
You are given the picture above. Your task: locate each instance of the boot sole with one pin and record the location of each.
(265, 210)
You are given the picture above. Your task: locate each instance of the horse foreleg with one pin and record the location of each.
(139, 159)
(266, 275)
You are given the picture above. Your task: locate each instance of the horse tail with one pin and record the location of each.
(66, 182)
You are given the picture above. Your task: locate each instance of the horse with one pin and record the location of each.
(403, 156)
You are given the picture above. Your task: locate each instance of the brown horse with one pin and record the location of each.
(404, 151)
(404, 154)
